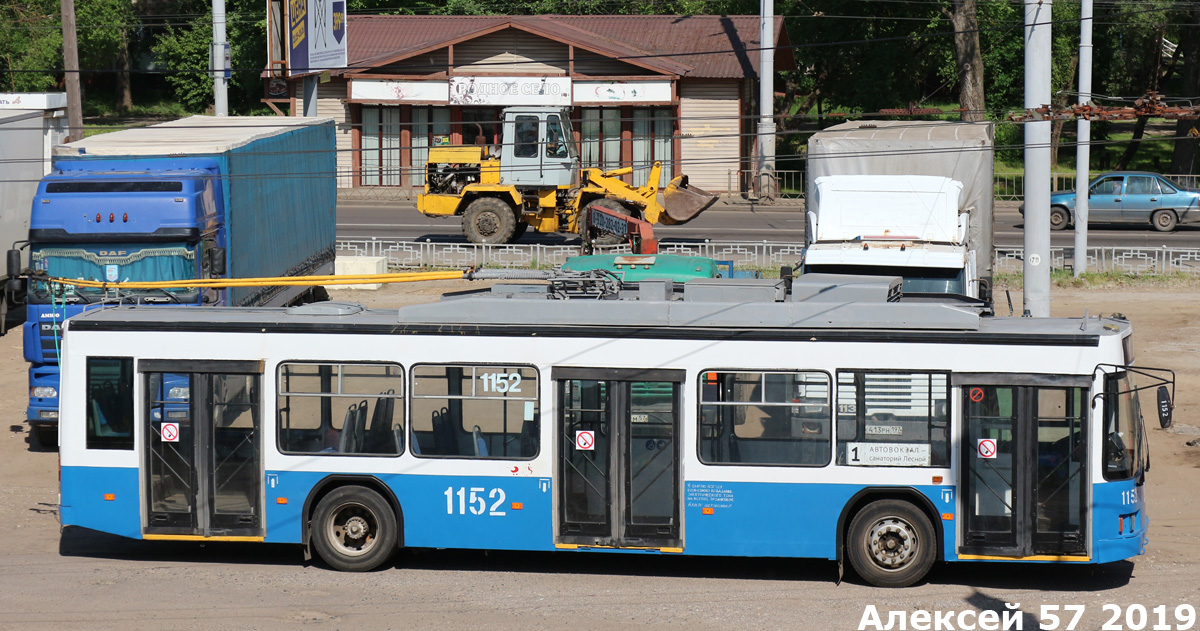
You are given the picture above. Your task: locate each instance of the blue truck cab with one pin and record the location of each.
(117, 221)
(235, 197)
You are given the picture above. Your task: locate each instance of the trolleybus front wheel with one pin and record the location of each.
(891, 543)
(354, 529)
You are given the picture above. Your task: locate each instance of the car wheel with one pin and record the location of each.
(1164, 220)
(1059, 218)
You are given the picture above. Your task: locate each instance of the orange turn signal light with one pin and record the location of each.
(281, 500)
(937, 479)
(108, 497)
(947, 516)
(518, 505)
(707, 510)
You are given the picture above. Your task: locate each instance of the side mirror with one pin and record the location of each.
(13, 267)
(216, 261)
(1164, 407)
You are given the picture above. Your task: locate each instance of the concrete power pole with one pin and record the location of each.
(1037, 160)
(1084, 137)
(766, 101)
(71, 66)
(220, 83)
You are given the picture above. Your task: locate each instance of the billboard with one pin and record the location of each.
(316, 36)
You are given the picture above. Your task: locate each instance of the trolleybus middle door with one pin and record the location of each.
(618, 458)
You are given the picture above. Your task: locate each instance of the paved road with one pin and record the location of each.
(728, 222)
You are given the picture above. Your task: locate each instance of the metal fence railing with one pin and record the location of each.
(762, 256)
(1008, 186)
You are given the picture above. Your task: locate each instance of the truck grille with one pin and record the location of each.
(48, 331)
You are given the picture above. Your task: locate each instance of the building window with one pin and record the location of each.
(480, 126)
(475, 411)
(338, 409)
(765, 418)
(381, 146)
(109, 403)
(652, 141)
(430, 128)
(893, 419)
(600, 133)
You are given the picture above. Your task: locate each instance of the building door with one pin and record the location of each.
(1024, 471)
(203, 462)
(618, 458)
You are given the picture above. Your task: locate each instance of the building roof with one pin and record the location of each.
(705, 46)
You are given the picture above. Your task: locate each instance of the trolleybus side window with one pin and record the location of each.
(1122, 428)
(331, 409)
(893, 419)
(768, 418)
(475, 411)
(109, 403)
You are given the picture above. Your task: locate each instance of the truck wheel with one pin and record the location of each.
(489, 220)
(1059, 218)
(891, 543)
(519, 231)
(354, 529)
(607, 204)
(1163, 220)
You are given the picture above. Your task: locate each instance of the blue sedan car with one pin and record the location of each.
(1129, 197)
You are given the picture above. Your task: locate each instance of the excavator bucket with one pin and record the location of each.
(682, 203)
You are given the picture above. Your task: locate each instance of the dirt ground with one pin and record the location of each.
(53, 580)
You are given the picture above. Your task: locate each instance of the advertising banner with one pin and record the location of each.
(510, 91)
(316, 36)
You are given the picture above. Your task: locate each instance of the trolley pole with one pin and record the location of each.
(1037, 160)
(766, 101)
(1083, 138)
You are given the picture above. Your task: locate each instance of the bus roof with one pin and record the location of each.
(816, 308)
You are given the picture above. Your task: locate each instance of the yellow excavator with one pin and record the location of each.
(533, 178)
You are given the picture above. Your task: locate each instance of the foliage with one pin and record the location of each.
(32, 41)
(185, 52)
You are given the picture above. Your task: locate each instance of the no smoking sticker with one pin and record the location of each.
(170, 432)
(976, 394)
(585, 440)
(986, 448)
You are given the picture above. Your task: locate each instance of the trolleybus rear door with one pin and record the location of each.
(1024, 461)
(202, 453)
(618, 457)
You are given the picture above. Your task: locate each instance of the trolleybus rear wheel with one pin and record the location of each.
(354, 529)
(891, 543)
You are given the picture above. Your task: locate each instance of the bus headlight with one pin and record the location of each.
(43, 392)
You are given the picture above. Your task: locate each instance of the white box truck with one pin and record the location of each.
(903, 198)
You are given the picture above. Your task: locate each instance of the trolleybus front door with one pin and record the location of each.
(618, 458)
(202, 452)
(1024, 471)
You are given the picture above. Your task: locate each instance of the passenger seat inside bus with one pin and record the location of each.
(352, 428)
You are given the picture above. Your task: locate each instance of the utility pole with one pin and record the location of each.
(766, 100)
(220, 83)
(1037, 160)
(71, 68)
(1084, 138)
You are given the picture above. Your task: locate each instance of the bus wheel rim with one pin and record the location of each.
(892, 543)
(353, 529)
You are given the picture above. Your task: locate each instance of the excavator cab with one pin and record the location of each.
(538, 149)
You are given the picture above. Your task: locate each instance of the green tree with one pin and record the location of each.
(31, 41)
(185, 51)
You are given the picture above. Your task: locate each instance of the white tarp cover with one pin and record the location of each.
(915, 207)
(960, 151)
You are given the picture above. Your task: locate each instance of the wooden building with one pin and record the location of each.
(676, 89)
